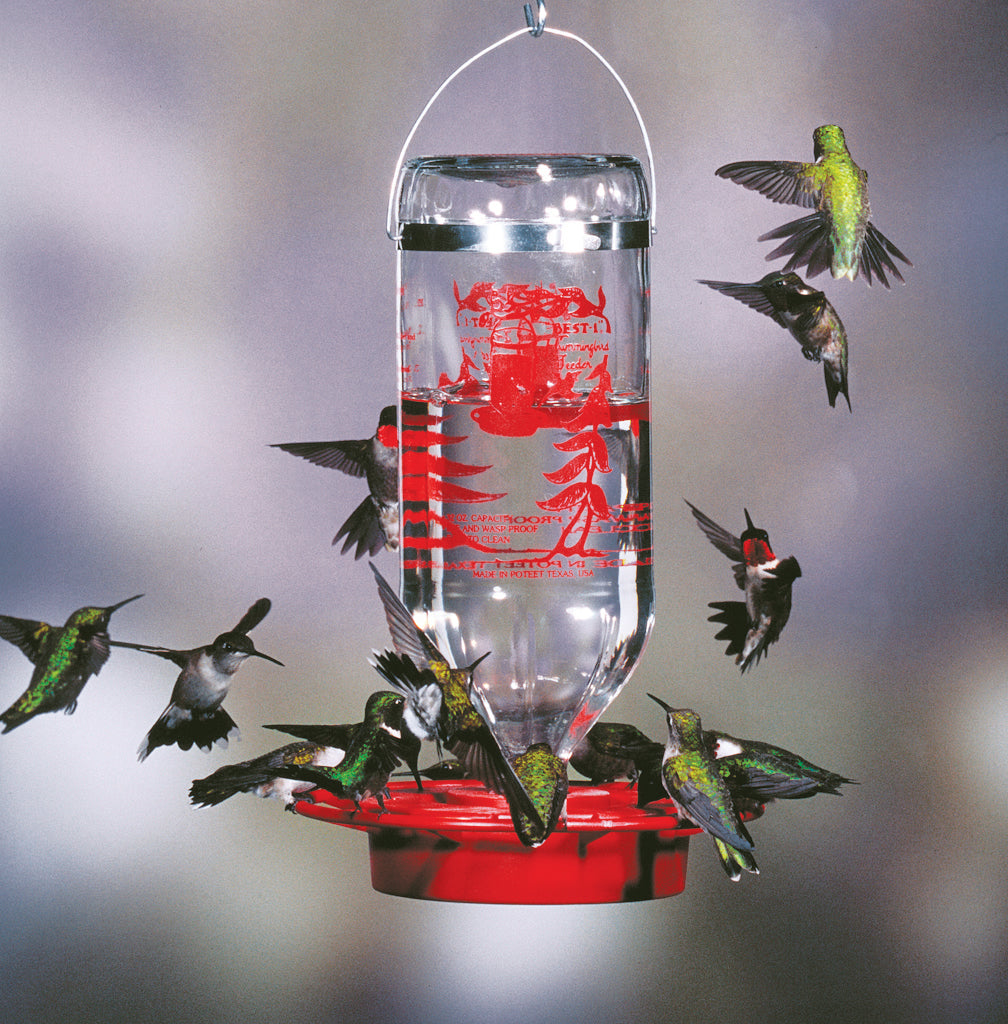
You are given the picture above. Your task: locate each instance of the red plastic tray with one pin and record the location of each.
(455, 842)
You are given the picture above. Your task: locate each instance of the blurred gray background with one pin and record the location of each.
(193, 265)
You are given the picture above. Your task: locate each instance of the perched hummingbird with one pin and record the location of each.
(261, 775)
(839, 235)
(691, 778)
(65, 657)
(761, 771)
(538, 777)
(443, 712)
(751, 626)
(372, 756)
(407, 748)
(194, 713)
(807, 314)
(374, 523)
(615, 750)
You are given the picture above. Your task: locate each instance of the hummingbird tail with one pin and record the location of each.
(184, 728)
(734, 861)
(875, 258)
(735, 624)
(225, 782)
(363, 528)
(806, 241)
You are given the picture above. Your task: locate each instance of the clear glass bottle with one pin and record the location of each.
(524, 312)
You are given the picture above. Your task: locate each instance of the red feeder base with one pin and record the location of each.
(455, 841)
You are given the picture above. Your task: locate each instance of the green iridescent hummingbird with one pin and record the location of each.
(378, 746)
(807, 314)
(691, 778)
(539, 778)
(839, 236)
(65, 657)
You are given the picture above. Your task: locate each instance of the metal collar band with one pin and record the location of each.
(565, 236)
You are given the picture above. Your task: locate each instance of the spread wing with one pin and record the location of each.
(253, 616)
(783, 181)
(26, 634)
(752, 295)
(727, 543)
(407, 638)
(347, 456)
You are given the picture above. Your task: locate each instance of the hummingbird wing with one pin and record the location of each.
(322, 735)
(407, 636)
(783, 181)
(363, 528)
(348, 457)
(246, 776)
(727, 543)
(710, 807)
(752, 295)
(180, 658)
(253, 616)
(26, 634)
(97, 653)
(419, 687)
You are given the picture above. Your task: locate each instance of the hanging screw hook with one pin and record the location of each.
(536, 23)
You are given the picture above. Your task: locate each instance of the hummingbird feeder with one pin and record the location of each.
(525, 503)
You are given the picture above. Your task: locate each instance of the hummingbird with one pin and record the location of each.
(750, 626)
(407, 748)
(194, 713)
(65, 657)
(615, 750)
(260, 775)
(538, 778)
(374, 523)
(760, 771)
(690, 776)
(839, 235)
(807, 314)
(371, 757)
(443, 711)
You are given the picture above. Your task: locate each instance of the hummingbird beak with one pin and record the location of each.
(112, 607)
(259, 654)
(482, 657)
(748, 520)
(660, 702)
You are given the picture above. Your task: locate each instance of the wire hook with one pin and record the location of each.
(536, 23)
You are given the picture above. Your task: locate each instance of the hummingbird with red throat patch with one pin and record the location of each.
(750, 626)
(374, 523)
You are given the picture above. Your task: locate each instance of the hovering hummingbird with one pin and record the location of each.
(65, 657)
(374, 523)
(807, 314)
(839, 235)
(261, 775)
(371, 757)
(761, 771)
(751, 626)
(537, 777)
(443, 711)
(194, 713)
(691, 778)
(615, 750)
